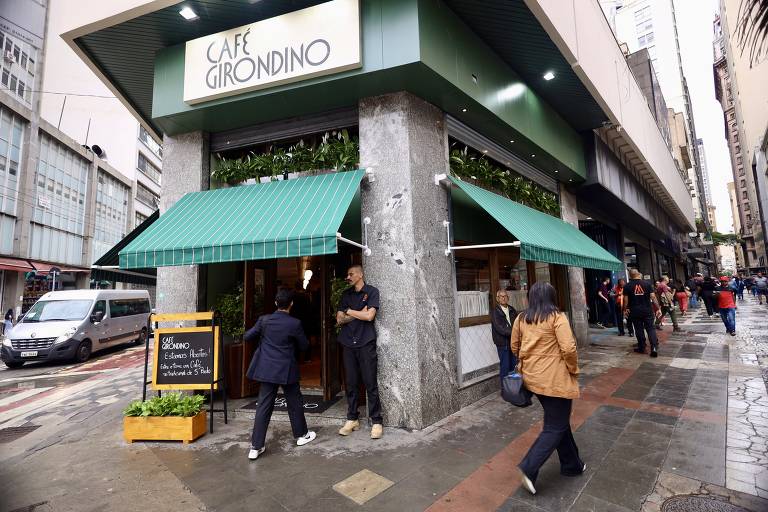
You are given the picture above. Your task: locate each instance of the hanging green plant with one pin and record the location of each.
(336, 150)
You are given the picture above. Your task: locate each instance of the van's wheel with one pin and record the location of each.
(83, 352)
(14, 364)
(142, 339)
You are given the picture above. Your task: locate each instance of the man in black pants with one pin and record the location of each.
(356, 315)
(274, 365)
(639, 295)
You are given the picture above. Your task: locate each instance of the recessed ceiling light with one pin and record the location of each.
(512, 141)
(533, 156)
(463, 109)
(549, 75)
(188, 14)
(569, 179)
(485, 151)
(556, 171)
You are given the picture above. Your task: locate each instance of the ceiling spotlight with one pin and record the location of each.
(512, 141)
(549, 75)
(188, 14)
(463, 109)
(485, 151)
(556, 171)
(533, 156)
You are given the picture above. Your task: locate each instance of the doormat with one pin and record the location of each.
(312, 404)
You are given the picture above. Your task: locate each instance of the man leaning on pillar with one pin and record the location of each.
(356, 315)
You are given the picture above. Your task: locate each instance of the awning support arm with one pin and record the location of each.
(364, 245)
(450, 248)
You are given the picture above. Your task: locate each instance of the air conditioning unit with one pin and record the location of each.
(8, 56)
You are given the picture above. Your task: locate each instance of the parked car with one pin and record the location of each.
(65, 325)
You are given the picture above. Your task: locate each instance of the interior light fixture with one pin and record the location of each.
(533, 156)
(512, 141)
(556, 171)
(549, 75)
(485, 151)
(188, 14)
(463, 109)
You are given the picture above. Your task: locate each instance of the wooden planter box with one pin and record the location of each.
(164, 428)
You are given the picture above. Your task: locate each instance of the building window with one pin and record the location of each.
(744, 194)
(150, 142)
(746, 207)
(146, 196)
(140, 218)
(645, 40)
(149, 169)
(743, 183)
(643, 14)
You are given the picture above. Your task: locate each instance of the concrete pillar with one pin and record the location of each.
(404, 140)
(185, 169)
(578, 300)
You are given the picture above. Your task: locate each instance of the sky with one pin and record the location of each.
(694, 25)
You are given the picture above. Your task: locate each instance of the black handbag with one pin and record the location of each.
(513, 390)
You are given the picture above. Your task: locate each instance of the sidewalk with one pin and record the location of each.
(692, 422)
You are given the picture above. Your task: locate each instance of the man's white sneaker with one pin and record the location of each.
(254, 453)
(526, 482)
(307, 438)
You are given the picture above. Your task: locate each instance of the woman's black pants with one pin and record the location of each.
(556, 435)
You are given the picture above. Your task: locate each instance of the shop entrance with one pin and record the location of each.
(315, 281)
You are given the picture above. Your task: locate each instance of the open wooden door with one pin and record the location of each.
(330, 347)
(259, 289)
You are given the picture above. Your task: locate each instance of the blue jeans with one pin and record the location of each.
(729, 318)
(507, 361)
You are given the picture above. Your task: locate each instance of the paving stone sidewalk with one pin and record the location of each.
(690, 425)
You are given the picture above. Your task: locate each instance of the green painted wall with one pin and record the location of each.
(416, 45)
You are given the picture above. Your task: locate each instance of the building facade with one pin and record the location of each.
(437, 235)
(739, 89)
(734, 202)
(61, 204)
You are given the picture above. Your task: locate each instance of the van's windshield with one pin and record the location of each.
(53, 310)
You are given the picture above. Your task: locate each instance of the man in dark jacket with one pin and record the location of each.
(274, 364)
(502, 318)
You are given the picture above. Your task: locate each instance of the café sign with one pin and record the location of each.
(315, 41)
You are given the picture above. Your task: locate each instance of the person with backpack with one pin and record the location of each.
(544, 344)
(727, 305)
(666, 297)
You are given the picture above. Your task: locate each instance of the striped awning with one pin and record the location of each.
(280, 219)
(542, 237)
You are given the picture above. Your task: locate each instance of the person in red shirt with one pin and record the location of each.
(727, 305)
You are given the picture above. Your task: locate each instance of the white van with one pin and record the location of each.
(76, 323)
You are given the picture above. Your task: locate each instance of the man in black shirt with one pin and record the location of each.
(356, 315)
(639, 296)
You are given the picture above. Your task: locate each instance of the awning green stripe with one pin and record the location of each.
(542, 237)
(280, 219)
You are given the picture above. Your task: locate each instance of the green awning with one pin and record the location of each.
(542, 237)
(280, 219)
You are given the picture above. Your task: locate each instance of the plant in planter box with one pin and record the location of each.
(171, 417)
(230, 306)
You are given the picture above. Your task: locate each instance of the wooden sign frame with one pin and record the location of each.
(215, 328)
(155, 355)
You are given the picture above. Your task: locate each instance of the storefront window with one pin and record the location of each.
(513, 278)
(542, 273)
(473, 283)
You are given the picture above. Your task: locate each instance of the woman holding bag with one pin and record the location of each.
(544, 344)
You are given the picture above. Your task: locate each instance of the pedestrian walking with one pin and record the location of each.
(618, 294)
(682, 293)
(707, 288)
(274, 365)
(501, 329)
(639, 301)
(666, 297)
(693, 298)
(727, 305)
(761, 285)
(545, 346)
(356, 315)
(8, 321)
(603, 303)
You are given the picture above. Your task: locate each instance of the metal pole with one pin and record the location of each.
(146, 361)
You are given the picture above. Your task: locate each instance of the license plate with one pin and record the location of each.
(31, 353)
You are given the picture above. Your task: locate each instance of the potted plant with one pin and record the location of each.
(171, 417)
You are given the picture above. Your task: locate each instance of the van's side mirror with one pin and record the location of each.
(97, 317)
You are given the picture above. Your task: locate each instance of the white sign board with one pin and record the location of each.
(44, 201)
(315, 41)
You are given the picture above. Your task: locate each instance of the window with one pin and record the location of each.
(513, 278)
(149, 170)
(743, 194)
(643, 14)
(100, 307)
(473, 284)
(150, 142)
(127, 307)
(146, 196)
(746, 207)
(743, 183)
(5, 78)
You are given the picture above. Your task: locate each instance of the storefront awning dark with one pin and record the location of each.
(106, 267)
(15, 265)
(280, 219)
(542, 237)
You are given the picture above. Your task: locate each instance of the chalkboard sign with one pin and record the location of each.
(185, 358)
